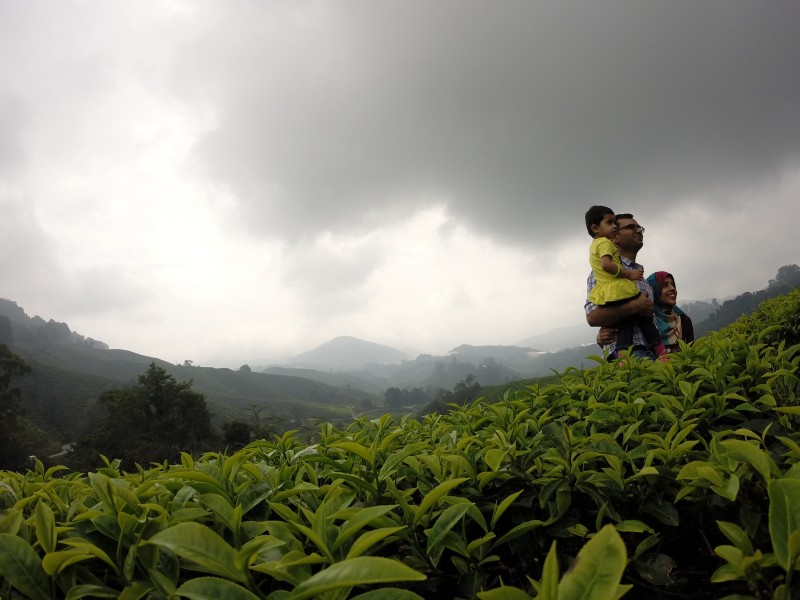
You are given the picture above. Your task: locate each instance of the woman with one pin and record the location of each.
(674, 324)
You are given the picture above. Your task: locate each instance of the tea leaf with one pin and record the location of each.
(435, 495)
(45, 526)
(757, 458)
(201, 545)
(784, 517)
(506, 592)
(22, 568)
(550, 576)
(87, 590)
(369, 539)
(388, 594)
(446, 521)
(55, 563)
(503, 506)
(213, 588)
(135, 591)
(597, 569)
(364, 570)
(356, 449)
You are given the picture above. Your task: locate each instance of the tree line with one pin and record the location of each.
(153, 421)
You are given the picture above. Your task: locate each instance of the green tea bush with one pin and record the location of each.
(662, 479)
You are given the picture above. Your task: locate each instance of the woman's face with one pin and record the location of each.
(669, 293)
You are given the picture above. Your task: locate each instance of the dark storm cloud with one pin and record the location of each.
(519, 115)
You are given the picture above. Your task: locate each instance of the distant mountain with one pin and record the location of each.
(359, 380)
(347, 353)
(70, 371)
(558, 339)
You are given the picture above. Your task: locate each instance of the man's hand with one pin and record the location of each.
(634, 274)
(606, 336)
(643, 305)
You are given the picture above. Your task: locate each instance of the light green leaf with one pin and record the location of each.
(314, 538)
(645, 471)
(87, 590)
(550, 576)
(597, 569)
(494, 458)
(398, 457)
(736, 535)
(730, 489)
(221, 506)
(746, 452)
(505, 592)
(435, 495)
(784, 517)
(388, 594)
(503, 506)
(633, 526)
(198, 543)
(364, 570)
(136, 591)
(55, 562)
(356, 449)
(726, 572)
(22, 567)
(359, 520)
(444, 523)
(11, 521)
(369, 539)
(45, 526)
(522, 529)
(213, 588)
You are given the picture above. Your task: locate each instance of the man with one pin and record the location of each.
(629, 239)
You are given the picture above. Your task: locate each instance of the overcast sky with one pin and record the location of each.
(244, 180)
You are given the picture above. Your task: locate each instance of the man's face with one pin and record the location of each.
(629, 236)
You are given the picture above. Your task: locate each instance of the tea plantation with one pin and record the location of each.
(635, 480)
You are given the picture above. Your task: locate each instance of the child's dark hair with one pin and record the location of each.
(594, 215)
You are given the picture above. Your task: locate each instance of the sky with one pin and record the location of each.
(242, 181)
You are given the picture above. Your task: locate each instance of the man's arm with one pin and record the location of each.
(609, 316)
(606, 336)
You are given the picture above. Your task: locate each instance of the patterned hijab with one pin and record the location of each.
(656, 280)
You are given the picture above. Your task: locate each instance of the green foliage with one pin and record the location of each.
(11, 367)
(780, 292)
(671, 478)
(151, 422)
(775, 320)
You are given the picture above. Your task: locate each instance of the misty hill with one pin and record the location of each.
(489, 365)
(497, 365)
(70, 371)
(347, 353)
(786, 279)
(557, 339)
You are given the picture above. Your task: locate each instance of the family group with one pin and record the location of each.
(634, 312)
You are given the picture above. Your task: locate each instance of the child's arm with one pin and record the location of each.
(612, 268)
(610, 316)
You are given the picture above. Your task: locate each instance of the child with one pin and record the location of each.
(615, 285)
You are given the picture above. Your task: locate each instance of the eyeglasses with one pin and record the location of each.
(633, 227)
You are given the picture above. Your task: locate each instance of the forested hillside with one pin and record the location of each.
(69, 372)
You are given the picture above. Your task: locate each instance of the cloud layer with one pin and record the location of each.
(249, 179)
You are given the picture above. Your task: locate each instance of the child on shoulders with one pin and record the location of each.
(615, 284)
